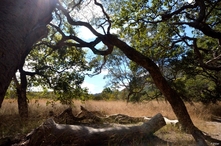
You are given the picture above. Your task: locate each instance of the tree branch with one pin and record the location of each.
(202, 64)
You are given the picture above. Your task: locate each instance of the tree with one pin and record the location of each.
(19, 36)
(54, 67)
(21, 89)
(196, 83)
(162, 44)
(60, 68)
(123, 73)
(173, 14)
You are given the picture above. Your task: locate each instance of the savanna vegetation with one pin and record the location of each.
(151, 49)
(12, 126)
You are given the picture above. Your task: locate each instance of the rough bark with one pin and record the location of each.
(96, 117)
(170, 94)
(22, 103)
(23, 22)
(51, 133)
(22, 96)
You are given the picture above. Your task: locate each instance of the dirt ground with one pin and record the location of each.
(216, 126)
(173, 138)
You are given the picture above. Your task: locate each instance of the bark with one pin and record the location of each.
(23, 23)
(22, 103)
(51, 133)
(95, 117)
(171, 95)
(22, 96)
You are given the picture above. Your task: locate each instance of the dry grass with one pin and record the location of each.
(197, 111)
(11, 124)
(133, 109)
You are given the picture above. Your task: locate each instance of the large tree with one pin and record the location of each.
(51, 67)
(23, 23)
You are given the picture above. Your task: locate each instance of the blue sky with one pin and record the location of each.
(96, 83)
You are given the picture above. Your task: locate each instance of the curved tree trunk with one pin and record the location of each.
(23, 23)
(171, 95)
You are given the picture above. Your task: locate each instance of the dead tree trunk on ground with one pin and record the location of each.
(51, 133)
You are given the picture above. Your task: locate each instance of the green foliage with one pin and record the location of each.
(197, 88)
(11, 92)
(108, 94)
(149, 27)
(58, 68)
(155, 28)
(125, 74)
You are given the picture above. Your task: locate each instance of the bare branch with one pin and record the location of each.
(106, 15)
(78, 23)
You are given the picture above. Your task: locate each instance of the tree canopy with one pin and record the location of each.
(166, 32)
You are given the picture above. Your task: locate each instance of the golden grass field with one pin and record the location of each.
(12, 125)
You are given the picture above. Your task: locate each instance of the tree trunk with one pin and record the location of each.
(23, 23)
(171, 95)
(22, 97)
(21, 94)
(22, 103)
(51, 133)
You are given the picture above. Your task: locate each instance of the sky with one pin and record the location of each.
(95, 84)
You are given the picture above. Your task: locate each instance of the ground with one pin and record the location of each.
(11, 125)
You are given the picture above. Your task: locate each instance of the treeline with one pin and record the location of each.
(192, 89)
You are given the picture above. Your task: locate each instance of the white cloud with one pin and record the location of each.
(90, 86)
(104, 72)
(96, 83)
(93, 88)
(85, 34)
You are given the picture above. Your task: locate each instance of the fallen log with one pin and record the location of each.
(51, 133)
(168, 121)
